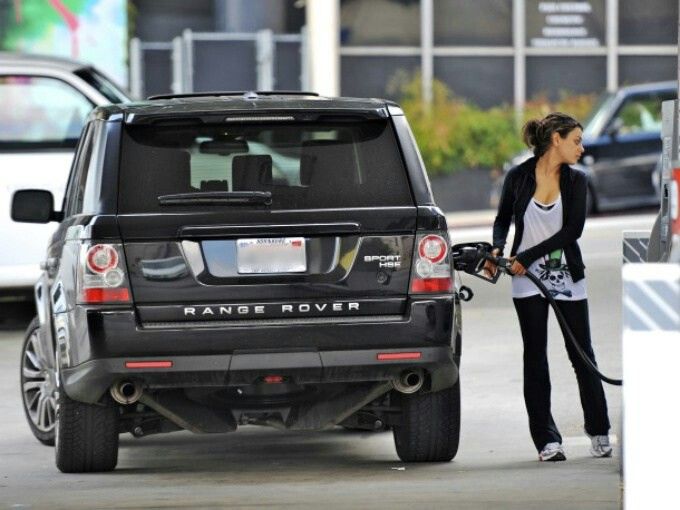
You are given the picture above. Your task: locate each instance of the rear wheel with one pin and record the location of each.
(86, 436)
(430, 426)
(38, 388)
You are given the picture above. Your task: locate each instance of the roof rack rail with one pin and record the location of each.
(246, 93)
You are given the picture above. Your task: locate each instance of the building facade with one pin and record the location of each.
(487, 51)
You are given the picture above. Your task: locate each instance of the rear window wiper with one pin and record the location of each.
(217, 198)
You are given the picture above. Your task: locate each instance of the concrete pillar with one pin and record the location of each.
(323, 31)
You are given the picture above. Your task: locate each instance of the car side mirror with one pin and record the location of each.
(34, 206)
(615, 127)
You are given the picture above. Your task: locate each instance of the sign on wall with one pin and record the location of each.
(565, 24)
(92, 31)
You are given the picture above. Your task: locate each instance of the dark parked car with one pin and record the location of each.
(622, 141)
(228, 259)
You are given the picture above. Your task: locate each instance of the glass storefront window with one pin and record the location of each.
(648, 22)
(380, 22)
(478, 23)
(376, 76)
(486, 81)
(643, 69)
(577, 24)
(555, 76)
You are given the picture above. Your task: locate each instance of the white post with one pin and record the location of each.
(426, 46)
(187, 61)
(519, 41)
(177, 85)
(304, 59)
(323, 29)
(265, 60)
(136, 68)
(612, 16)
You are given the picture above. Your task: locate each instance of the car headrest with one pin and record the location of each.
(174, 167)
(326, 163)
(215, 185)
(251, 173)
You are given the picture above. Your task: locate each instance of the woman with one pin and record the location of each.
(547, 199)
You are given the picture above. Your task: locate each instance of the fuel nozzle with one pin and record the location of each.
(471, 257)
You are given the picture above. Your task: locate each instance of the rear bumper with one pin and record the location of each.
(90, 380)
(94, 346)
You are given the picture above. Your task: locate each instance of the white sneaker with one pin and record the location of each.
(600, 446)
(552, 452)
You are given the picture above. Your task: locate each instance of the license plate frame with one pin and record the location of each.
(271, 255)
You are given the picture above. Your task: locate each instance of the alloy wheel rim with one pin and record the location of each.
(38, 387)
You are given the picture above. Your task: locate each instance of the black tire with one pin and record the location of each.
(38, 389)
(87, 436)
(430, 426)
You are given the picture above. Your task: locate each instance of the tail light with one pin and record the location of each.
(674, 201)
(431, 271)
(102, 277)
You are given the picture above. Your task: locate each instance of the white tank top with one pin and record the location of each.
(540, 223)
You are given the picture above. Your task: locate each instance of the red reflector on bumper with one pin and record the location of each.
(148, 364)
(273, 379)
(431, 285)
(390, 356)
(104, 295)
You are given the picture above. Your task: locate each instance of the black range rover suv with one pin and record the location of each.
(243, 258)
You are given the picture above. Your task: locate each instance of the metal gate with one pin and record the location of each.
(212, 61)
(150, 68)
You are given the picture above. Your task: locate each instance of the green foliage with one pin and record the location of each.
(453, 134)
(578, 106)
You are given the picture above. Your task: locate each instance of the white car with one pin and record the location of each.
(44, 102)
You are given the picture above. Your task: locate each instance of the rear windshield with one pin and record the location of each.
(302, 165)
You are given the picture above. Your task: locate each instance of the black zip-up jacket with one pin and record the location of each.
(518, 189)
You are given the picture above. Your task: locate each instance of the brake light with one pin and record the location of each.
(432, 248)
(431, 285)
(674, 201)
(101, 258)
(102, 276)
(104, 295)
(431, 271)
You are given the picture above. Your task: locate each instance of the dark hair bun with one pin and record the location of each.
(530, 132)
(537, 134)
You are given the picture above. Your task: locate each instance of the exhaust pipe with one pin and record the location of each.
(126, 392)
(409, 381)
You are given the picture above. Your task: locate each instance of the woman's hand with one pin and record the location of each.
(490, 268)
(516, 267)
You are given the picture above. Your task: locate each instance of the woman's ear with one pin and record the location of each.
(556, 139)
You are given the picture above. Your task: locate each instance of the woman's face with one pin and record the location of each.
(570, 148)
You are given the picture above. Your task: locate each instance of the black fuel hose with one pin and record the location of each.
(505, 264)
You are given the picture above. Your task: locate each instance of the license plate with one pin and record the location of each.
(271, 255)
